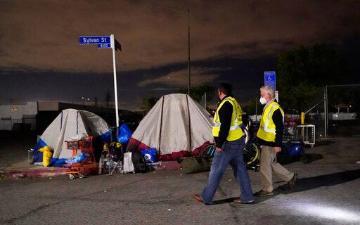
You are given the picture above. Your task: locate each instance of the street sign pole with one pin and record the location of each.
(105, 42)
(112, 41)
(270, 80)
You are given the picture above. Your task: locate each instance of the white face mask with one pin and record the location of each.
(262, 101)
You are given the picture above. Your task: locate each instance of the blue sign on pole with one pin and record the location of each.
(87, 40)
(104, 45)
(270, 79)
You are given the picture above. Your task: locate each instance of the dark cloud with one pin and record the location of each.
(40, 38)
(44, 34)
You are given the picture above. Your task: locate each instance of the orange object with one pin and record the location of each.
(302, 118)
(89, 166)
(82, 170)
(74, 152)
(73, 146)
(85, 145)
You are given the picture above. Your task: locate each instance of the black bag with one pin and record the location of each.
(139, 162)
(195, 164)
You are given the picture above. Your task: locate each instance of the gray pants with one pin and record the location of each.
(268, 164)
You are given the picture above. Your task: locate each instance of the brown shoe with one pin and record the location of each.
(198, 198)
(263, 193)
(292, 182)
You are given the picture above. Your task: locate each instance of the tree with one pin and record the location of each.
(251, 106)
(95, 101)
(148, 103)
(107, 98)
(198, 92)
(304, 71)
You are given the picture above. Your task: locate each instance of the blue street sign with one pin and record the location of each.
(104, 45)
(270, 79)
(86, 40)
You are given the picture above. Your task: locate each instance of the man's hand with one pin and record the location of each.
(219, 149)
(277, 149)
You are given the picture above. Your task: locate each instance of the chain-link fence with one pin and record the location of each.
(337, 113)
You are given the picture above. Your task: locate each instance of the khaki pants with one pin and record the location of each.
(268, 164)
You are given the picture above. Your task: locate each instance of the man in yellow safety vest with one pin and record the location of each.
(230, 141)
(269, 137)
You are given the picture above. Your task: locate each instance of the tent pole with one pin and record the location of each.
(77, 122)
(161, 121)
(205, 100)
(187, 101)
(61, 121)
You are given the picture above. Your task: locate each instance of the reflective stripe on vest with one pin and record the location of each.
(267, 129)
(235, 131)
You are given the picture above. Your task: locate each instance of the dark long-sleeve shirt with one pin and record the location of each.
(225, 113)
(279, 124)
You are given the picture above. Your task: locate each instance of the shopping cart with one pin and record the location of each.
(111, 159)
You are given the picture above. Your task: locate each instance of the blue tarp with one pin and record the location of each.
(124, 134)
(38, 156)
(150, 155)
(106, 137)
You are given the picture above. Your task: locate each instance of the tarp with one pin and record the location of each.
(176, 126)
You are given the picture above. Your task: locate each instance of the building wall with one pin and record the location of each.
(48, 106)
(17, 115)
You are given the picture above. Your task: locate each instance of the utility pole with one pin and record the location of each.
(256, 109)
(189, 66)
(325, 111)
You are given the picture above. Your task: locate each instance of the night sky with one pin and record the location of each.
(234, 41)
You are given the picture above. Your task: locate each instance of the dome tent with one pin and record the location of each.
(176, 126)
(70, 124)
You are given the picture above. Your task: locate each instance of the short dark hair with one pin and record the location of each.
(225, 88)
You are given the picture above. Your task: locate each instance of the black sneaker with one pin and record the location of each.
(238, 201)
(292, 182)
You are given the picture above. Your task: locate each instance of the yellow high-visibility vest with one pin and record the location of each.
(267, 129)
(235, 131)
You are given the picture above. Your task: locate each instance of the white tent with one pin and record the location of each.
(71, 124)
(176, 124)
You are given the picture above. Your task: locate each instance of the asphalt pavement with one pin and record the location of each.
(327, 192)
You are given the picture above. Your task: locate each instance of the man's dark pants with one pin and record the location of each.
(232, 154)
